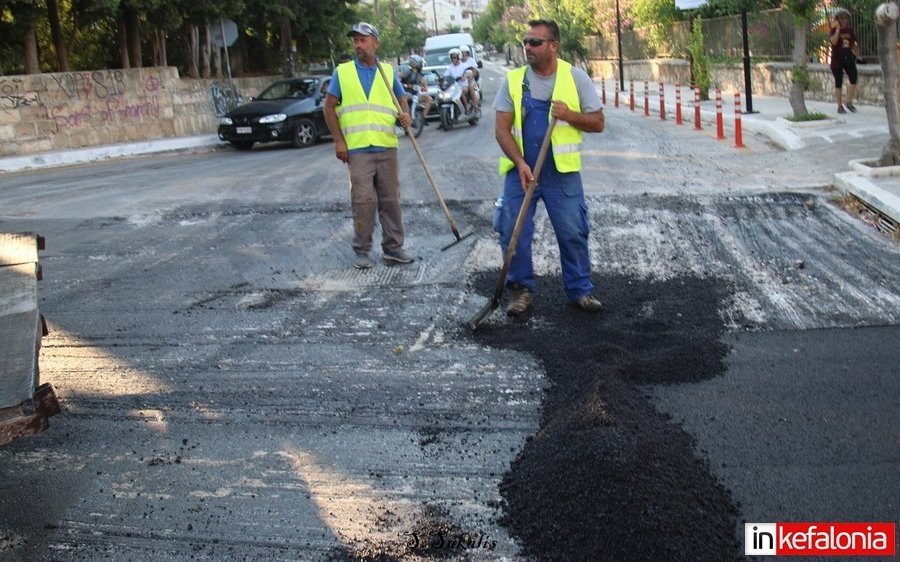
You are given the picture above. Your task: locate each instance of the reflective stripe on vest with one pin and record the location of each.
(565, 139)
(366, 121)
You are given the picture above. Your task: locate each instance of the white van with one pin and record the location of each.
(436, 48)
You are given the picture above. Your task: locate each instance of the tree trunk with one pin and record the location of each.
(30, 51)
(800, 75)
(158, 42)
(886, 17)
(62, 52)
(133, 24)
(123, 41)
(217, 62)
(204, 53)
(286, 50)
(192, 38)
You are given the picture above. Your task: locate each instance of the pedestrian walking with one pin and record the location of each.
(360, 115)
(547, 87)
(844, 51)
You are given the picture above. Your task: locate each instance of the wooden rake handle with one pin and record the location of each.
(421, 156)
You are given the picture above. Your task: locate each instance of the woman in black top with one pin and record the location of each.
(844, 50)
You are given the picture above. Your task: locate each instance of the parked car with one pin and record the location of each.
(287, 110)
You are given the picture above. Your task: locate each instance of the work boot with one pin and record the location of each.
(362, 262)
(519, 300)
(397, 256)
(587, 303)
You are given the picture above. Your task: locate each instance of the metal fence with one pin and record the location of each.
(770, 34)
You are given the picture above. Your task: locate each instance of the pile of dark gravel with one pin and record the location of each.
(607, 476)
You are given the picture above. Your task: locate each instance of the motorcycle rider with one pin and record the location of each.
(467, 60)
(462, 74)
(415, 78)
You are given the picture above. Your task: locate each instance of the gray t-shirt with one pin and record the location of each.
(542, 88)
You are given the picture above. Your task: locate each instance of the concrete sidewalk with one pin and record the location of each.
(878, 187)
(105, 152)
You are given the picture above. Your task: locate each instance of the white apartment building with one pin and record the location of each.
(439, 15)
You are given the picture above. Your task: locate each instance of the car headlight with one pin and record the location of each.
(276, 118)
(226, 121)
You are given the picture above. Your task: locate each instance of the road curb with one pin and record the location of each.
(93, 154)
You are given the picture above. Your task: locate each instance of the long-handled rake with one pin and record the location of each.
(517, 232)
(434, 186)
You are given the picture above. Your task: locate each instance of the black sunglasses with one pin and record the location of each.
(534, 41)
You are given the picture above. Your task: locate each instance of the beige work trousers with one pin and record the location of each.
(375, 187)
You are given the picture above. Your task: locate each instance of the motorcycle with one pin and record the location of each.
(449, 101)
(418, 116)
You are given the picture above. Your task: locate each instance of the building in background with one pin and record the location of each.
(440, 16)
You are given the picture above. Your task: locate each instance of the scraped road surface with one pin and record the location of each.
(234, 390)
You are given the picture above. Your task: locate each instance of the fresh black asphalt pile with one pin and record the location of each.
(607, 477)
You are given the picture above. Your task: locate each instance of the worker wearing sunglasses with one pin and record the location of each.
(547, 87)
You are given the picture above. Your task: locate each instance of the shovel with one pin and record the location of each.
(412, 139)
(517, 232)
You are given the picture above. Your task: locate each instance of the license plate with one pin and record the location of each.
(244, 130)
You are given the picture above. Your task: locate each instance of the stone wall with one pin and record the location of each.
(767, 79)
(46, 112)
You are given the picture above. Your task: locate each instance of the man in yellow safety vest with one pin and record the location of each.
(360, 115)
(531, 95)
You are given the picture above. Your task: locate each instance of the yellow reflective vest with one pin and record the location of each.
(565, 139)
(366, 121)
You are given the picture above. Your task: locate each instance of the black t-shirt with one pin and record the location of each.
(843, 49)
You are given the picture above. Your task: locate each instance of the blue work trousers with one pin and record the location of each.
(563, 197)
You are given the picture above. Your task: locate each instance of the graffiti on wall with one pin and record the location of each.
(107, 109)
(13, 94)
(99, 84)
(224, 98)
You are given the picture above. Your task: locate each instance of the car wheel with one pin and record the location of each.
(304, 134)
(242, 145)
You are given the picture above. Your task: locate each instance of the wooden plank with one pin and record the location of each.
(18, 248)
(19, 319)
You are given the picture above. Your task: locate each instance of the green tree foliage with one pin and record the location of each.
(398, 26)
(18, 18)
(496, 25)
(699, 59)
(576, 22)
(176, 29)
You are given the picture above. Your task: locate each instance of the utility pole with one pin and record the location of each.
(619, 41)
(434, 14)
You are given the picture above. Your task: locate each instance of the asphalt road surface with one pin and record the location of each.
(234, 390)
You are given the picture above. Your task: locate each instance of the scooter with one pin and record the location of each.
(417, 111)
(449, 101)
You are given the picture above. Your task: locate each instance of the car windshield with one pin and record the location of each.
(300, 89)
(437, 59)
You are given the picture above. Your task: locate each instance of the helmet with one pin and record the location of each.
(464, 48)
(416, 61)
(456, 52)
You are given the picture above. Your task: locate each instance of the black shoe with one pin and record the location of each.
(841, 109)
(851, 107)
